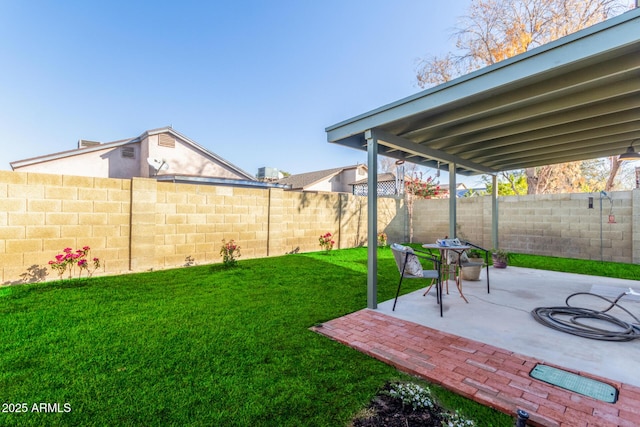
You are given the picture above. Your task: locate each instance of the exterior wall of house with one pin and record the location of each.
(340, 183)
(322, 186)
(348, 177)
(141, 224)
(107, 163)
(183, 159)
(130, 161)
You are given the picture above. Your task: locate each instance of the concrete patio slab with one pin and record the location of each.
(503, 318)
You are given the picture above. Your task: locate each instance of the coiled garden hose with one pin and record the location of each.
(571, 319)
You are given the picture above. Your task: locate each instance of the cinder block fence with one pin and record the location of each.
(141, 224)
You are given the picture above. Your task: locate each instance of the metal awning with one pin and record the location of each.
(573, 99)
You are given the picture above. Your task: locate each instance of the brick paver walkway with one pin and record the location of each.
(489, 375)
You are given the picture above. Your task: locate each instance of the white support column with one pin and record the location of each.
(453, 213)
(372, 219)
(494, 212)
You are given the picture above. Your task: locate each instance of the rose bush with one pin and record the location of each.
(326, 242)
(69, 259)
(229, 252)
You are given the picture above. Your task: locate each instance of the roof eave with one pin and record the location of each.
(69, 153)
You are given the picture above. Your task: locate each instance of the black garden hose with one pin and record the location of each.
(569, 319)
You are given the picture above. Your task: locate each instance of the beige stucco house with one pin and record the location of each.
(163, 153)
(336, 180)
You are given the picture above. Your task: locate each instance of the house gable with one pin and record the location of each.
(130, 158)
(185, 157)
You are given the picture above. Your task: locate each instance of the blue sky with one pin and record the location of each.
(255, 82)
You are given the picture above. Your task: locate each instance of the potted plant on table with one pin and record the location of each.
(500, 258)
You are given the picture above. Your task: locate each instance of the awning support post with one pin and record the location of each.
(494, 212)
(372, 219)
(453, 213)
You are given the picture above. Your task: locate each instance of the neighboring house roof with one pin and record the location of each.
(67, 153)
(89, 146)
(304, 180)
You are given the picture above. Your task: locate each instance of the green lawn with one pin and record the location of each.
(197, 346)
(578, 266)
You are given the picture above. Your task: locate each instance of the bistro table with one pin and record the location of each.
(459, 250)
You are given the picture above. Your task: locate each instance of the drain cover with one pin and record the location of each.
(576, 383)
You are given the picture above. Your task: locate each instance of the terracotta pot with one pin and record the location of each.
(497, 263)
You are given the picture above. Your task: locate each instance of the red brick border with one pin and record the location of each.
(489, 375)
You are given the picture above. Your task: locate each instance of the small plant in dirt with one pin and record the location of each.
(69, 259)
(326, 242)
(230, 252)
(456, 420)
(412, 395)
(407, 404)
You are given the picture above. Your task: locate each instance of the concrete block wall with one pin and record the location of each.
(141, 224)
(474, 220)
(305, 217)
(547, 224)
(564, 225)
(41, 214)
(430, 220)
(392, 218)
(191, 221)
(635, 231)
(353, 221)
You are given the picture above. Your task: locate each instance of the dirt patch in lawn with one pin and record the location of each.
(388, 411)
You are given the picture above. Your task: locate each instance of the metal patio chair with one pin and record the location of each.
(408, 263)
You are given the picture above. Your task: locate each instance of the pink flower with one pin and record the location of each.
(86, 248)
(67, 250)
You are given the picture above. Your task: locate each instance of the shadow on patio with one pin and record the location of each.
(485, 349)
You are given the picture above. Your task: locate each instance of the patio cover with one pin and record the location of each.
(576, 98)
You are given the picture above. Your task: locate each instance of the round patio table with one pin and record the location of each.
(458, 249)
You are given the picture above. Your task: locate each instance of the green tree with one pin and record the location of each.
(509, 183)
